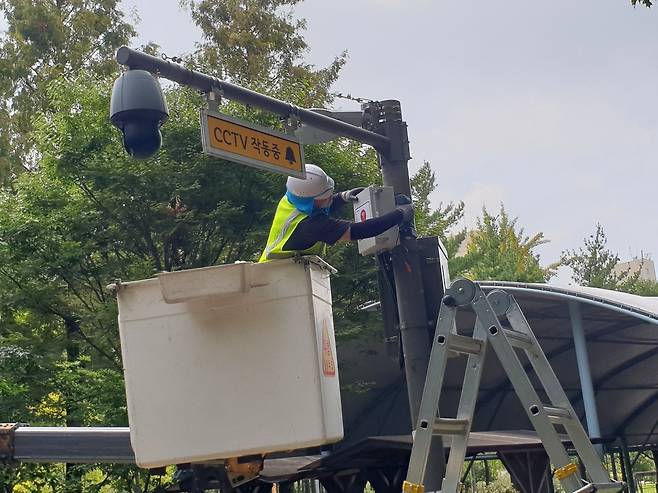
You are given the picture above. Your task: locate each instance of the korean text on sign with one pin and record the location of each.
(250, 143)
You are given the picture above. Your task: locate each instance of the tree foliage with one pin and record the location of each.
(88, 214)
(593, 265)
(259, 44)
(47, 40)
(497, 250)
(440, 221)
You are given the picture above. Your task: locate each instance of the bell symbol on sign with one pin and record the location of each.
(290, 155)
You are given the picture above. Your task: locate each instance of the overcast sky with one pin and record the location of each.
(548, 107)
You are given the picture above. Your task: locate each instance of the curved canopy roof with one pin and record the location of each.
(621, 332)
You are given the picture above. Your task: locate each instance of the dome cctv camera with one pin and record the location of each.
(138, 108)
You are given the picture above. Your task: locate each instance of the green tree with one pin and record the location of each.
(497, 250)
(46, 40)
(440, 221)
(641, 287)
(88, 214)
(594, 264)
(646, 3)
(259, 44)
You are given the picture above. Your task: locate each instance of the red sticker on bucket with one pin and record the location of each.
(328, 364)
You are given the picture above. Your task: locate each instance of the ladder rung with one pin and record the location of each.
(518, 339)
(591, 487)
(588, 488)
(461, 344)
(557, 415)
(450, 426)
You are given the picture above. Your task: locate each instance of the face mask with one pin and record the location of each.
(302, 204)
(307, 205)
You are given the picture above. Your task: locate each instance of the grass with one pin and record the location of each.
(647, 488)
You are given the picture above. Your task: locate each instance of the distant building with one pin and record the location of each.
(644, 266)
(463, 246)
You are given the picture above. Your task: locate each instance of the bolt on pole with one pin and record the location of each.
(386, 118)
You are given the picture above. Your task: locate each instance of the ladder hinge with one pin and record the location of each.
(566, 471)
(408, 487)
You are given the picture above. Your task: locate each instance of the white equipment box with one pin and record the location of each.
(376, 201)
(229, 361)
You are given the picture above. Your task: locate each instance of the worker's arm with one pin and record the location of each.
(377, 225)
(329, 230)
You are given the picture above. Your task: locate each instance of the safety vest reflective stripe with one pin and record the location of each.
(286, 220)
(283, 233)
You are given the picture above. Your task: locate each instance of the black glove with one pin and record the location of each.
(402, 199)
(350, 195)
(407, 212)
(403, 204)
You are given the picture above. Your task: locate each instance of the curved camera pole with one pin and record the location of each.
(388, 135)
(177, 73)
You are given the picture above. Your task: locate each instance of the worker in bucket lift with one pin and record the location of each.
(302, 223)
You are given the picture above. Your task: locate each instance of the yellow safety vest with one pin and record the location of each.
(286, 219)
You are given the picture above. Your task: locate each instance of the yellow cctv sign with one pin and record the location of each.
(246, 143)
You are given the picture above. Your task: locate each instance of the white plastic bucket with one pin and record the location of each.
(229, 361)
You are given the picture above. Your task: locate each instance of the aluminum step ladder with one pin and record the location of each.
(489, 331)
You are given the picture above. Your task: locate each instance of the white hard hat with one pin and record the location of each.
(317, 184)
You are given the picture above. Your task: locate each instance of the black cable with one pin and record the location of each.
(385, 264)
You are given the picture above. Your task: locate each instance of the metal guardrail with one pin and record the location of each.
(67, 444)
